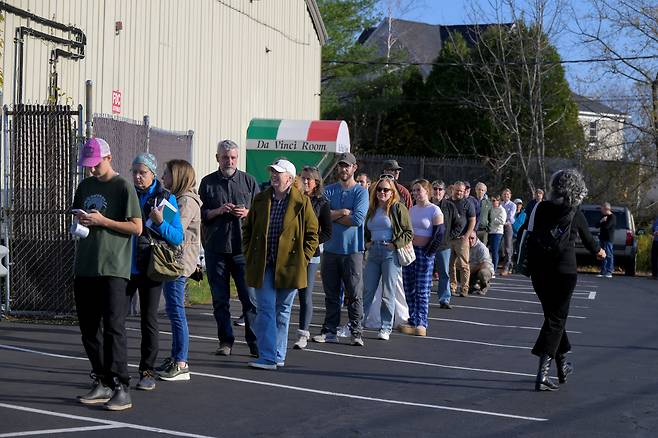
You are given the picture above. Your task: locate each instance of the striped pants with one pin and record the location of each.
(417, 280)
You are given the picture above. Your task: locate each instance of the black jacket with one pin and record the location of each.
(452, 223)
(547, 215)
(607, 227)
(323, 212)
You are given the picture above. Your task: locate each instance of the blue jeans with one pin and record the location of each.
(494, 247)
(272, 319)
(306, 298)
(382, 264)
(442, 263)
(608, 264)
(220, 268)
(174, 294)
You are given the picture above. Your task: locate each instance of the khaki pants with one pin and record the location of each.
(481, 275)
(459, 262)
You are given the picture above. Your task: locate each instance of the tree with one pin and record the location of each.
(516, 80)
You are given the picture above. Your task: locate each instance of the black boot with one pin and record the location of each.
(120, 398)
(564, 368)
(543, 382)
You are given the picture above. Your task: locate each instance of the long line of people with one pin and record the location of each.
(271, 244)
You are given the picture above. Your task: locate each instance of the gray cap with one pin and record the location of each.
(392, 165)
(347, 158)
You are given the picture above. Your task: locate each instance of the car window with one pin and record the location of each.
(594, 216)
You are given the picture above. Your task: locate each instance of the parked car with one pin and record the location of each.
(624, 243)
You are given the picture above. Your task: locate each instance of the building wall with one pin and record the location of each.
(609, 141)
(205, 65)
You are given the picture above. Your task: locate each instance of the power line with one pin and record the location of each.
(475, 64)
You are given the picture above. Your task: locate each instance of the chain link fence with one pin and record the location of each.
(40, 153)
(40, 150)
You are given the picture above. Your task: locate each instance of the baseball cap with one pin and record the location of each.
(94, 150)
(347, 158)
(518, 201)
(392, 165)
(283, 166)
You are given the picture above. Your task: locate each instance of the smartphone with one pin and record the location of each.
(78, 211)
(239, 206)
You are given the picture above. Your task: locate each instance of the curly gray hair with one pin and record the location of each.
(567, 187)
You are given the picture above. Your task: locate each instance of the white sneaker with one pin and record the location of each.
(344, 331)
(384, 335)
(599, 275)
(608, 275)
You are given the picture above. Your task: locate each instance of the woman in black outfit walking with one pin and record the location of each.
(553, 268)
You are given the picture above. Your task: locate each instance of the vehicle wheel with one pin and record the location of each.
(629, 268)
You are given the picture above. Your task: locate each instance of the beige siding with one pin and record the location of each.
(195, 64)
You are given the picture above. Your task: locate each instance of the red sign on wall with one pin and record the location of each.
(116, 102)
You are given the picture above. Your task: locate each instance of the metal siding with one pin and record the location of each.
(189, 65)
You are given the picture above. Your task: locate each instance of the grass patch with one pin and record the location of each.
(199, 291)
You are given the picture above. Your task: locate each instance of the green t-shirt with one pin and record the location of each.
(105, 252)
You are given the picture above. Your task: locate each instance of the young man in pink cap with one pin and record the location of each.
(107, 204)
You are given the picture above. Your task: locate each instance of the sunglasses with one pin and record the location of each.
(386, 176)
(383, 190)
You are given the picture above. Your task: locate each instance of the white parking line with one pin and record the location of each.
(273, 385)
(510, 311)
(524, 280)
(576, 295)
(54, 431)
(592, 296)
(113, 424)
(484, 324)
(436, 338)
(475, 297)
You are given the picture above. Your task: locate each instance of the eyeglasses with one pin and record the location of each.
(438, 188)
(386, 176)
(383, 190)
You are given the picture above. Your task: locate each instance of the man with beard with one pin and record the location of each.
(342, 260)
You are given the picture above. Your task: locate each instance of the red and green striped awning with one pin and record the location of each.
(303, 142)
(298, 135)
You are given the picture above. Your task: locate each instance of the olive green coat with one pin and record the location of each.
(297, 242)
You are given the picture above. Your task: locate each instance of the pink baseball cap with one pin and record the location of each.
(93, 152)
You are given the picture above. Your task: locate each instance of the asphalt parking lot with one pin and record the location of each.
(471, 376)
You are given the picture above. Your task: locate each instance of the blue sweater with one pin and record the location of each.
(171, 232)
(347, 240)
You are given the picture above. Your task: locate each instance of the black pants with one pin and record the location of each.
(149, 300)
(101, 304)
(554, 291)
(340, 270)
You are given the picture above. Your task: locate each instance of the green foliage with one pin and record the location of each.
(644, 253)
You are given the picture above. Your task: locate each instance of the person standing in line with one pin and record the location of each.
(654, 251)
(280, 238)
(496, 226)
(313, 188)
(453, 226)
(387, 229)
(554, 273)
(607, 225)
(151, 194)
(107, 204)
(363, 180)
(520, 218)
(227, 195)
(482, 270)
(508, 231)
(391, 167)
(428, 230)
(473, 200)
(538, 197)
(342, 260)
(459, 245)
(482, 225)
(179, 178)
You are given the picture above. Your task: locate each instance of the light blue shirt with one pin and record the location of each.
(510, 208)
(347, 240)
(380, 226)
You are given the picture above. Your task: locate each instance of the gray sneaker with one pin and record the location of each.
(98, 394)
(175, 373)
(329, 338)
(146, 381)
(224, 349)
(357, 340)
(301, 343)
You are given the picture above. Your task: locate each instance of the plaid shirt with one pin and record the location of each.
(277, 211)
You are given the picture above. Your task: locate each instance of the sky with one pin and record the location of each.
(580, 76)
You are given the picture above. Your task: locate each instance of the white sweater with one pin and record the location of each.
(498, 218)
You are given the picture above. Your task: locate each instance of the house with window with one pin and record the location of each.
(604, 128)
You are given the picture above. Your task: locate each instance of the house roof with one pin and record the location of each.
(421, 41)
(316, 17)
(587, 105)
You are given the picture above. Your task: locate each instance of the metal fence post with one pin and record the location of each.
(6, 204)
(147, 124)
(89, 120)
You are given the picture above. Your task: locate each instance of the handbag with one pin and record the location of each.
(163, 263)
(406, 254)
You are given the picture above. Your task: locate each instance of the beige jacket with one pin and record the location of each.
(189, 205)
